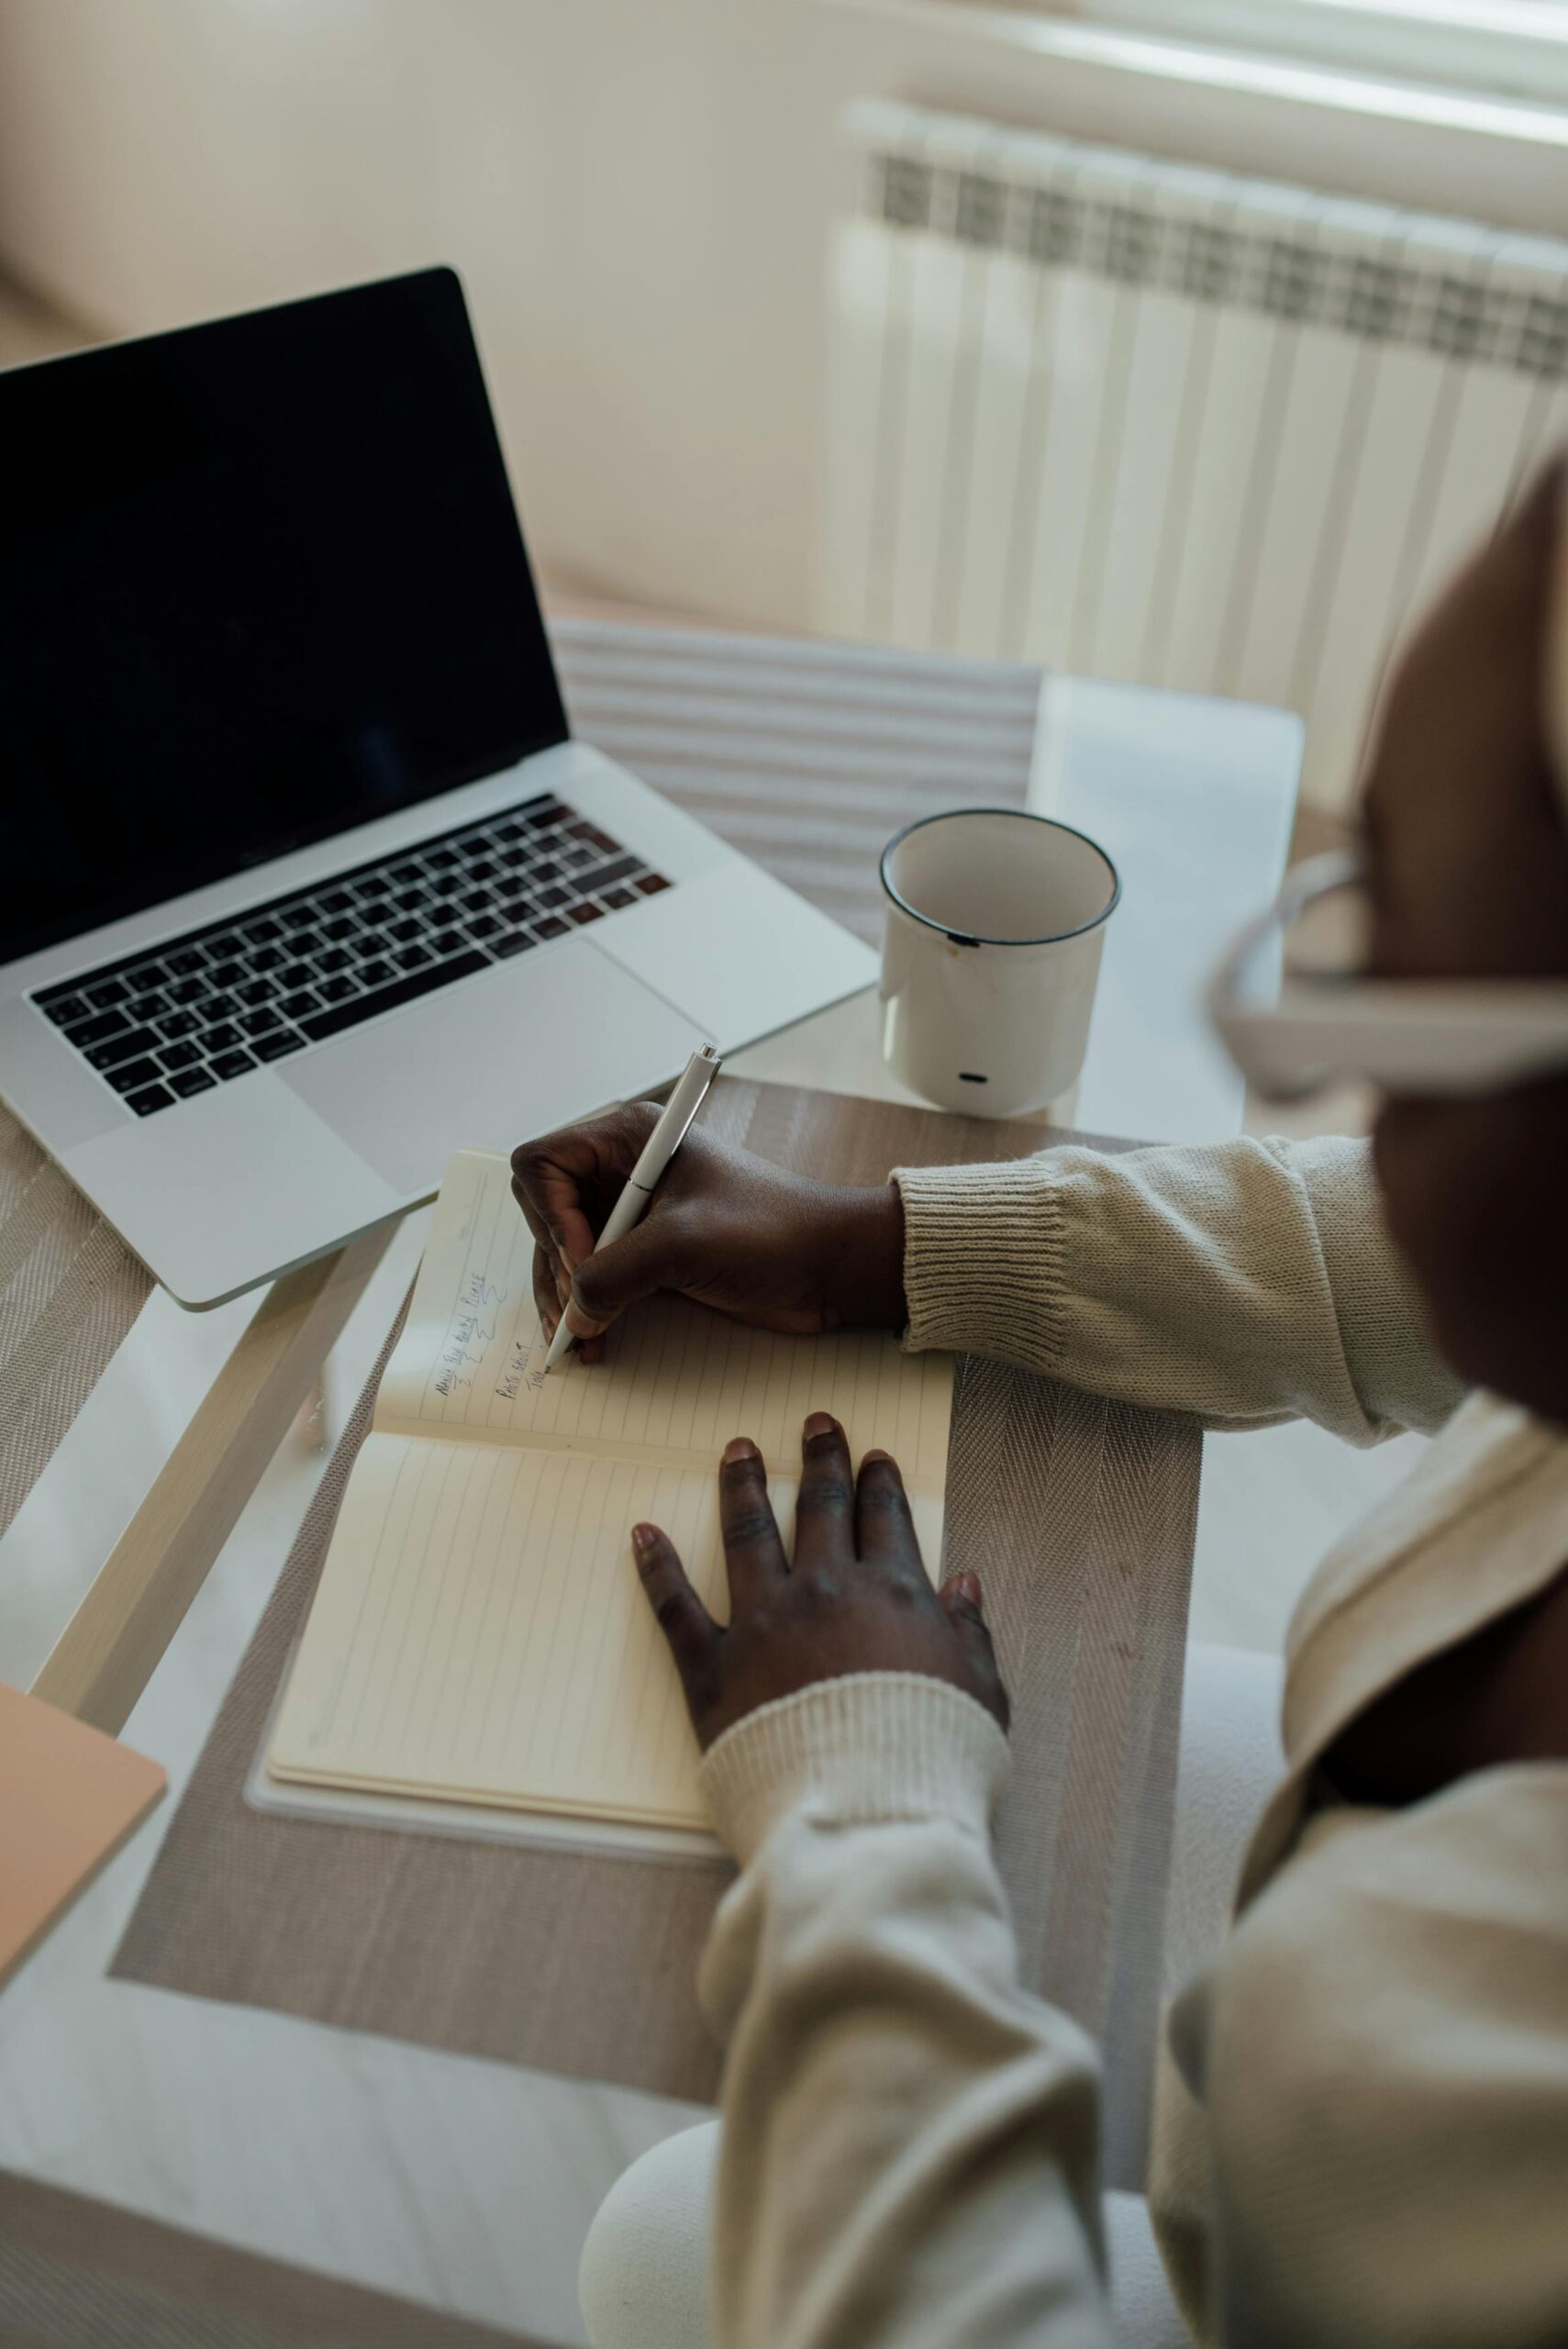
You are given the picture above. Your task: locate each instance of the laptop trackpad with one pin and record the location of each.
(518, 1050)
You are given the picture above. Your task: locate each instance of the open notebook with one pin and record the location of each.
(479, 1633)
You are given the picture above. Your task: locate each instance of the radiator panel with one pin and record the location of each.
(1139, 421)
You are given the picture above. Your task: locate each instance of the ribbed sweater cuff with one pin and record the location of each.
(868, 1747)
(984, 1260)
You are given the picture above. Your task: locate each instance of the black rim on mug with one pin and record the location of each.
(1017, 816)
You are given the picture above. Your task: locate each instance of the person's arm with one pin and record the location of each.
(907, 2159)
(909, 2150)
(1248, 1282)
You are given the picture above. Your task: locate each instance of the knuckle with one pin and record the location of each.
(670, 1610)
(753, 1521)
(829, 1494)
(528, 1161)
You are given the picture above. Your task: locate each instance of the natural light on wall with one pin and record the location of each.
(1508, 48)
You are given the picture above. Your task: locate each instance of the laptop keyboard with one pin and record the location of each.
(203, 1010)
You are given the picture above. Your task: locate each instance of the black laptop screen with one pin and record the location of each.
(260, 581)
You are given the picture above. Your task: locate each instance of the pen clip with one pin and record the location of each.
(710, 1062)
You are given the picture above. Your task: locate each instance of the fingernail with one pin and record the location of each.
(876, 1454)
(643, 1537)
(819, 1423)
(739, 1447)
(969, 1583)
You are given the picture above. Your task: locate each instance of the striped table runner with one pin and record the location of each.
(70, 1288)
(806, 756)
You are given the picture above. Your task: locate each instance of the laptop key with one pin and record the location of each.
(296, 918)
(276, 1042)
(187, 1081)
(130, 1046)
(410, 958)
(229, 1065)
(98, 1029)
(341, 927)
(295, 1007)
(513, 943)
(484, 925)
(336, 990)
(256, 991)
(221, 1039)
(375, 974)
(333, 958)
(152, 1096)
(105, 997)
(146, 1006)
(187, 991)
(617, 899)
(650, 885)
(134, 1074)
(184, 961)
(175, 1024)
(408, 989)
(67, 1007)
(266, 958)
(226, 975)
(605, 876)
(583, 913)
(178, 1056)
(264, 932)
(258, 1023)
(404, 930)
(550, 927)
(336, 901)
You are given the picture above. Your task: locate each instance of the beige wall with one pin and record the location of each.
(636, 190)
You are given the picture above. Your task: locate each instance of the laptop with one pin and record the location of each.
(304, 880)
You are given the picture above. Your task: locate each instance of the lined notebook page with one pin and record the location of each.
(479, 1631)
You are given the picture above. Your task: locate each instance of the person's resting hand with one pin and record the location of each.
(730, 1230)
(855, 1597)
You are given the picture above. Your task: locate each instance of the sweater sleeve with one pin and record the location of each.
(908, 2148)
(1246, 1281)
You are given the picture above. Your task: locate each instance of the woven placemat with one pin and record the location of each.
(80, 2274)
(70, 1288)
(1079, 1515)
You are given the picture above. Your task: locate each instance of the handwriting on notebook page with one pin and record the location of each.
(676, 1379)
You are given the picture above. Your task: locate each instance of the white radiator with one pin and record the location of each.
(1142, 421)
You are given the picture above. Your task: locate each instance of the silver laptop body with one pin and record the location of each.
(242, 1074)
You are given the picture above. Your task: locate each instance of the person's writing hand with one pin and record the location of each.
(730, 1230)
(854, 1597)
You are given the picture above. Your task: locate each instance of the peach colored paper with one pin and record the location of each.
(69, 1798)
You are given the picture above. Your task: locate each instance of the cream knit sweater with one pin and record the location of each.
(1363, 2127)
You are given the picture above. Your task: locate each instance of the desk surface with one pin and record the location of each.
(465, 2184)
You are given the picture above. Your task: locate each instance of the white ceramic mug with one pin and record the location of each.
(994, 923)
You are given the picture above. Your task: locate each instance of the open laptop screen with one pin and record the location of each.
(260, 580)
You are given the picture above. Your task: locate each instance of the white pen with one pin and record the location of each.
(657, 1152)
